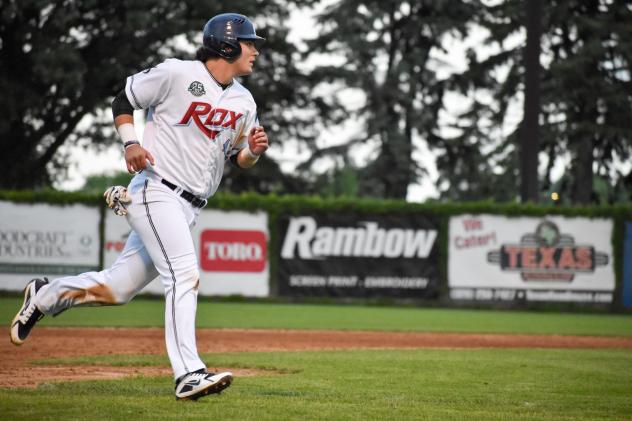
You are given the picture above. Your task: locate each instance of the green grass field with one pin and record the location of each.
(148, 312)
(412, 384)
(486, 384)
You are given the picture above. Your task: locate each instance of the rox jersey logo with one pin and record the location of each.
(211, 121)
(233, 251)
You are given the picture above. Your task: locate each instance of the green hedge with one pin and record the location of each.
(276, 205)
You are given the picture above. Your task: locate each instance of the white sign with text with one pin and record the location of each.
(43, 240)
(552, 258)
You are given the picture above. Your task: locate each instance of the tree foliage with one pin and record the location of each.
(61, 62)
(586, 94)
(387, 48)
(586, 98)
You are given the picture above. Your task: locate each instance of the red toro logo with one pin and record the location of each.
(232, 251)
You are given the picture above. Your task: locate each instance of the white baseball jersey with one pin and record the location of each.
(197, 125)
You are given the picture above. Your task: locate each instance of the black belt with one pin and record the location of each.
(188, 196)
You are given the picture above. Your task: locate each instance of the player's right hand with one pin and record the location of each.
(136, 158)
(117, 199)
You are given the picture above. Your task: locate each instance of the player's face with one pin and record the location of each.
(247, 58)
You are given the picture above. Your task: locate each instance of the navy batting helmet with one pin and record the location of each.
(223, 32)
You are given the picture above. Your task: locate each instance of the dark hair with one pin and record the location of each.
(203, 53)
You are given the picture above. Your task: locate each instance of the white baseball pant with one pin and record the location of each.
(160, 244)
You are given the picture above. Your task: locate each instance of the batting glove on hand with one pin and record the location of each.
(117, 199)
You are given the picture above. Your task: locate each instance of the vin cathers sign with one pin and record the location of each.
(353, 255)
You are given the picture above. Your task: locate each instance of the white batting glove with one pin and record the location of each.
(117, 199)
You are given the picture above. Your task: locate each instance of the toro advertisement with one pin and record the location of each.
(354, 255)
(231, 250)
(531, 259)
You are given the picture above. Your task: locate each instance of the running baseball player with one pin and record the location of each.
(201, 117)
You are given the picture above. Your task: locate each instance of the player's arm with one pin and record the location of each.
(257, 146)
(135, 155)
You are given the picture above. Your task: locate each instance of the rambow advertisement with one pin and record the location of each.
(530, 259)
(356, 255)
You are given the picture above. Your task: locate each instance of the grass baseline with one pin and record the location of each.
(360, 384)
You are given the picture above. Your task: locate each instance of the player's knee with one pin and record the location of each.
(184, 281)
(190, 279)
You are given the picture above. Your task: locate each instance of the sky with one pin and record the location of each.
(288, 153)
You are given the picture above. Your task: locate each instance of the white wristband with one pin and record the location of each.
(252, 156)
(127, 132)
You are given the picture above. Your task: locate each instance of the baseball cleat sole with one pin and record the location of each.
(28, 314)
(14, 336)
(214, 388)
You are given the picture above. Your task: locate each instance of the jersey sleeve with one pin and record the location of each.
(149, 87)
(250, 121)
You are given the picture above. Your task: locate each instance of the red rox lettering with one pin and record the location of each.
(234, 117)
(195, 111)
(206, 117)
(219, 116)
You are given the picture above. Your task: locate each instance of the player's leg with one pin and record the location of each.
(163, 221)
(130, 273)
(113, 286)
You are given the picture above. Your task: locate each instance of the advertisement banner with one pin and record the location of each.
(357, 255)
(38, 240)
(233, 253)
(551, 258)
(231, 247)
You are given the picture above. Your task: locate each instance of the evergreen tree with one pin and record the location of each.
(586, 98)
(387, 48)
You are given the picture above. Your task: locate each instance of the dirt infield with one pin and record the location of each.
(16, 369)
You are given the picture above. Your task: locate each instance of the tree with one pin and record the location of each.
(387, 47)
(62, 61)
(529, 130)
(586, 95)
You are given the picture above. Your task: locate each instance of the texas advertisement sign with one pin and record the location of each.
(530, 259)
(356, 255)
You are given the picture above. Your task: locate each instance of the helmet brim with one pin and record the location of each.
(256, 38)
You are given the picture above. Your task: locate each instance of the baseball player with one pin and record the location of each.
(201, 117)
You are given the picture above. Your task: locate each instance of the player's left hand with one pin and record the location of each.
(258, 140)
(117, 199)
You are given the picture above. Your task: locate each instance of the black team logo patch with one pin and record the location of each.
(196, 88)
(547, 255)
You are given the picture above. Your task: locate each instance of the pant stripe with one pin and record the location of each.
(173, 276)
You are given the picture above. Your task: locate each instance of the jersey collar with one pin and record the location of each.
(224, 86)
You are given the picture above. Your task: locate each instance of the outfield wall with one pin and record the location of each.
(303, 248)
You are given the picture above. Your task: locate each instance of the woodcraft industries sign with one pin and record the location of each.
(38, 239)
